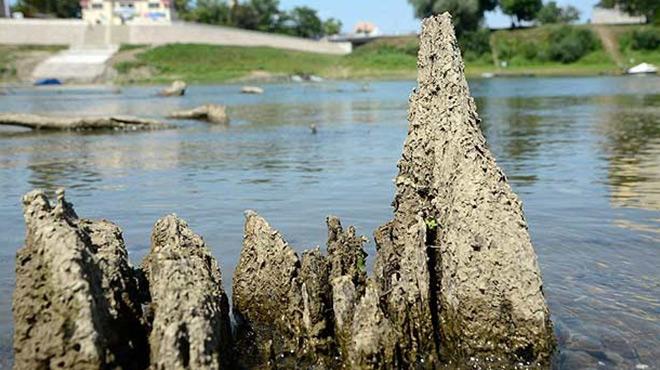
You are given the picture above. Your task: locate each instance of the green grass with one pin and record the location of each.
(633, 57)
(207, 63)
(392, 58)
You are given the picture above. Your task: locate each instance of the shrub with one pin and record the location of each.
(645, 39)
(569, 44)
(475, 44)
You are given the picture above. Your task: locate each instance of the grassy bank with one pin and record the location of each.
(543, 51)
(207, 63)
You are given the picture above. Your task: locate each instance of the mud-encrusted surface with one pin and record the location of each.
(484, 274)
(455, 282)
(190, 327)
(76, 303)
(264, 288)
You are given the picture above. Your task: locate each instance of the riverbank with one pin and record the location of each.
(522, 52)
(214, 64)
(18, 61)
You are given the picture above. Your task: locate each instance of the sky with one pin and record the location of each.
(396, 16)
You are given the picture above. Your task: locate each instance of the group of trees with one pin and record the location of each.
(259, 15)
(468, 15)
(53, 8)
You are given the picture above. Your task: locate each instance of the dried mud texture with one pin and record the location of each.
(316, 297)
(285, 306)
(484, 276)
(75, 298)
(402, 272)
(346, 253)
(345, 298)
(265, 288)
(190, 327)
(373, 341)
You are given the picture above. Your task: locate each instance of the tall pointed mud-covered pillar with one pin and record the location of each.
(486, 297)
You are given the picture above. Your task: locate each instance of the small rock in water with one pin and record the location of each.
(252, 90)
(641, 366)
(212, 113)
(178, 88)
(296, 78)
(313, 129)
(313, 78)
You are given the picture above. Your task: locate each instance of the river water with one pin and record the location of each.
(582, 153)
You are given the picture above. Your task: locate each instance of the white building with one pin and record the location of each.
(614, 16)
(127, 11)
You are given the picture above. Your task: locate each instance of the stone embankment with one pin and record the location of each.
(455, 277)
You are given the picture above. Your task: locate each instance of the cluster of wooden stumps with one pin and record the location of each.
(455, 278)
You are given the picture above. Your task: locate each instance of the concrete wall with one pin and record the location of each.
(181, 32)
(78, 33)
(614, 16)
(41, 32)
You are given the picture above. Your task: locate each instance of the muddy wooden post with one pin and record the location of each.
(190, 327)
(485, 283)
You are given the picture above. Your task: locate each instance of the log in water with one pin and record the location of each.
(38, 122)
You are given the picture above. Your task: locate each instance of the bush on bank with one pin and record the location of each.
(563, 44)
(641, 39)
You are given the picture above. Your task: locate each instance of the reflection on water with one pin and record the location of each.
(632, 146)
(584, 154)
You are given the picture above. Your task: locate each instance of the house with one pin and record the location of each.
(614, 16)
(127, 11)
(366, 29)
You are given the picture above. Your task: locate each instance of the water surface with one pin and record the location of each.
(582, 153)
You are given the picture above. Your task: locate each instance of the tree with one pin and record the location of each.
(466, 14)
(569, 14)
(244, 16)
(267, 14)
(306, 22)
(522, 10)
(551, 13)
(56, 8)
(210, 11)
(331, 26)
(648, 8)
(182, 6)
